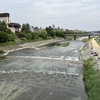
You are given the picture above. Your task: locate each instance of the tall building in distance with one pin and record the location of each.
(15, 27)
(53, 26)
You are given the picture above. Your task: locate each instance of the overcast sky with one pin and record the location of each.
(70, 14)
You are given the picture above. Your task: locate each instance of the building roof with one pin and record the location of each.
(14, 25)
(4, 15)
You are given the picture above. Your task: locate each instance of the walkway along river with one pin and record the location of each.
(47, 73)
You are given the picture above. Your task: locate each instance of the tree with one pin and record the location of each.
(26, 28)
(3, 26)
(50, 31)
(34, 35)
(43, 34)
(36, 28)
(5, 33)
(3, 37)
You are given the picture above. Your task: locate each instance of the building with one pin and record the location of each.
(15, 27)
(32, 29)
(53, 26)
(4, 17)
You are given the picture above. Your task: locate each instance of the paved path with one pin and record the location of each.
(96, 47)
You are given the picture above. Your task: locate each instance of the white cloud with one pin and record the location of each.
(76, 13)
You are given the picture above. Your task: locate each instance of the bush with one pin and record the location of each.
(3, 37)
(1, 52)
(43, 34)
(24, 39)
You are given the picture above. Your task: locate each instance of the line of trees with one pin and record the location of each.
(38, 33)
(26, 34)
(46, 33)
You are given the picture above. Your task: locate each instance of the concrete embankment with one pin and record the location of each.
(86, 51)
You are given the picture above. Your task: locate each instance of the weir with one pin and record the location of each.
(50, 73)
(52, 58)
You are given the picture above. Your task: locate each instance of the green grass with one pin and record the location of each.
(8, 43)
(65, 44)
(91, 80)
(85, 40)
(97, 41)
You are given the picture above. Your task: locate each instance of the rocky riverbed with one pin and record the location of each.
(46, 73)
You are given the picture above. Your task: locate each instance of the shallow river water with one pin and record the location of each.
(47, 73)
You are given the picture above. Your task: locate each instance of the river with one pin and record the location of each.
(47, 73)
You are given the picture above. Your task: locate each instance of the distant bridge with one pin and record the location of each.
(75, 35)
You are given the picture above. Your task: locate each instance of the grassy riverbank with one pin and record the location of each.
(91, 80)
(65, 44)
(98, 41)
(8, 43)
(85, 40)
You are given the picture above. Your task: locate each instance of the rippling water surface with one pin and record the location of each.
(47, 73)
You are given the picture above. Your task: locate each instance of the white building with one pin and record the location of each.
(32, 29)
(4, 17)
(15, 27)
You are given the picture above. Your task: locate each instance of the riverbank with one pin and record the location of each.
(91, 79)
(91, 70)
(32, 45)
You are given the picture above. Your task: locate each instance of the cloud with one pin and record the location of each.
(60, 12)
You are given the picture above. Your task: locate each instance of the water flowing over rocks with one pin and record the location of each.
(46, 73)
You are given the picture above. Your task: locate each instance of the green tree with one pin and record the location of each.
(49, 30)
(43, 34)
(3, 26)
(35, 36)
(3, 37)
(5, 33)
(26, 28)
(24, 35)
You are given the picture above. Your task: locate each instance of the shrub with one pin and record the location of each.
(24, 39)
(1, 52)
